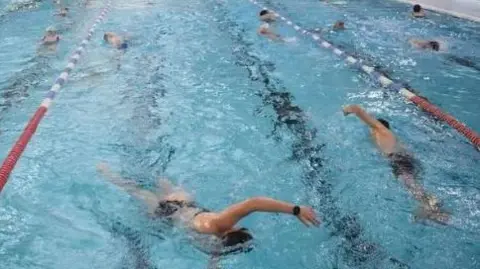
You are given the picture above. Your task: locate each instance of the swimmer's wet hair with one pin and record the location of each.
(236, 238)
(434, 45)
(384, 123)
(417, 8)
(263, 12)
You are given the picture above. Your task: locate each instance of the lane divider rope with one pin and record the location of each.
(385, 81)
(15, 153)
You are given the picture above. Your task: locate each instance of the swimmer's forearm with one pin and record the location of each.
(264, 204)
(362, 114)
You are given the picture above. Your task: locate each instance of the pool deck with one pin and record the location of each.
(467, 9)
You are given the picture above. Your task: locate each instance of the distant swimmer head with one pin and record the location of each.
(384, 123)
(237, 241)
(51, 30)
(267, 16)
(417, 8)
(434, 45)
(339, 25)
(107, 36)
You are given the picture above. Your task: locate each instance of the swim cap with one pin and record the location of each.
(51, 29)
(417, 8)
(263, 12)
(236, 242)
(384, 123)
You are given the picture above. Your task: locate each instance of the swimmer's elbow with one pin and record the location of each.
(253, 203)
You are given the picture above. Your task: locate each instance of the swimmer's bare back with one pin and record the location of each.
(382, 136)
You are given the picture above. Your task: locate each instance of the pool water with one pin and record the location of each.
(201, 99)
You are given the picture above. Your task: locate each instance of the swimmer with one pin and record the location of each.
(418, 11)
(115, 40)
(425, 44)
(464, 61)
(217, 231)
(268, 18)
(51, 38)
(63, 12)
(339, 26)
(403, 164)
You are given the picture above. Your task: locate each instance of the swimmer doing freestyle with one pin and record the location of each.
(267, 28)
(219, 229)
(403, 164)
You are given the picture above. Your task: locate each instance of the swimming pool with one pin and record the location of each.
(201, 99)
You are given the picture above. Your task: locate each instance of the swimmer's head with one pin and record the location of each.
(266, 16)
(51, 30)
(263, 12)
(237, 240)
(339, 25)
(434, 45)
(417, 8)
(384, 123)
(107, 36)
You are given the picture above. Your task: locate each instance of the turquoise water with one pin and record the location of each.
(201, 99)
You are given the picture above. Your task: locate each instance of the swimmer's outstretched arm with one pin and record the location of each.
(233, 214)
(148, 197)
(363, 115)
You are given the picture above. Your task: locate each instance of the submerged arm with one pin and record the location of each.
(148, 197)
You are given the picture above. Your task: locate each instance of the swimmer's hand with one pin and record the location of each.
(347, 110)
(308, 217)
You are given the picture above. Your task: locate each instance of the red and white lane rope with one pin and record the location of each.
(15, 153)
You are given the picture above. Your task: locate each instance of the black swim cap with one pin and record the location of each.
(434, 45)
(417, 8)
(384, 123)
(263, 12)
(237, 238)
